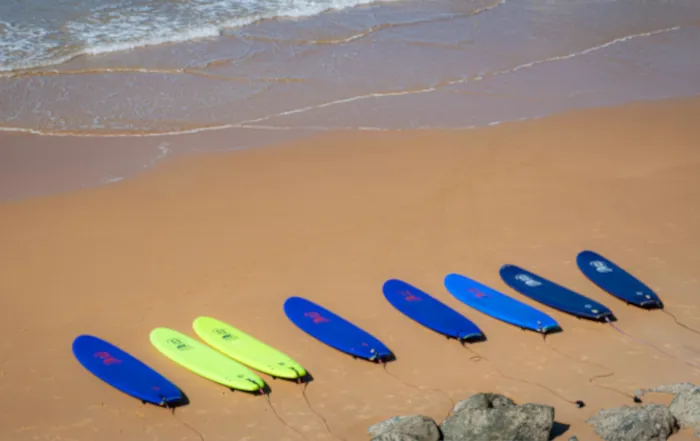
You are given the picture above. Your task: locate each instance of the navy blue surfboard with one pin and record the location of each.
(334, 330)
(125, 372)
(428, 311)
(498, 305)
(553, 295)
(616, 281)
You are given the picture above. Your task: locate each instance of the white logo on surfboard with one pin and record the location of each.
(601, 267)
(529, 281)
(589, 306)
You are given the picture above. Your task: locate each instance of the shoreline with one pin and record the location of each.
(315, 73)
(330, 217)
(30, 157)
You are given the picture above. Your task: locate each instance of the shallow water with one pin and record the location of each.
(407, 64)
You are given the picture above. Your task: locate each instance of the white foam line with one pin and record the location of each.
(589, 50)
(458, 81)
(251, 123)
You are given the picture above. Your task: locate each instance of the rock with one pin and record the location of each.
(674, 388)
(484, 401)
(395, 436)
(652, 422)
(416, 427)
(573, 438)
(507, 422)
(685, 407)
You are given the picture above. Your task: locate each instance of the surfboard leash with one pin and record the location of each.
(406, 383)
(651, 345)
(679, 323)
(321, 417)
(610, 373)
(183, 422)
(577, 403)
(272, 408)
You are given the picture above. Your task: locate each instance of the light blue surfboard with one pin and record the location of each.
(498, 305)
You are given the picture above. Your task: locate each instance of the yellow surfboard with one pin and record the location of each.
(246, 349)
(205, 361)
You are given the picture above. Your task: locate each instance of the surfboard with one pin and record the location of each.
(333, 330)
(498, 305)
(429, 311)
(204, 361)
(125, 372)
(552, 294)
(246, 349)
(616, 281)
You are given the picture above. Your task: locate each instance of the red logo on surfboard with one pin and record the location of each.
(409, 297)
(316, 317)
(478, 294)
(106, 358)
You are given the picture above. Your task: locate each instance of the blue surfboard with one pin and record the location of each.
(552, 294)
(334, 330)
(428, 311)
(498, 305)
(125, 372)
(616, 281)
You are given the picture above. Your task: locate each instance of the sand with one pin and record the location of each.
(331, 217)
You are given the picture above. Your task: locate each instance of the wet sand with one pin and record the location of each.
(331, 217)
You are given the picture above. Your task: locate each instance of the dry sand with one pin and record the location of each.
(330, 218)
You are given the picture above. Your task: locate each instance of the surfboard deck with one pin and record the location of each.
(125, 372)
(205, 361)
(498, 305)
(247, 349)
(551, 294)
(333, 330)
(611, 278)
(429, 311)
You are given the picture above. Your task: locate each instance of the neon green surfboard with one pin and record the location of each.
(246, 349)
(205, 361)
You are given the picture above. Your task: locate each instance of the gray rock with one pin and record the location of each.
(527, 422)
(395, 436)
(573, 438)
(484, 401)
(673, 388)
(418, 427)
(652, 422)
(685, 407)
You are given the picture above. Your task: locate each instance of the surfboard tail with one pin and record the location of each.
(381, 355)
(299, 372)
(173, 400)
(469, 335)
(653, 303)
(549, 328)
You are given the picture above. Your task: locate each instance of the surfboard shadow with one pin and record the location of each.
(183, 401)
(266, 390)
(476, 339)
(307, 378)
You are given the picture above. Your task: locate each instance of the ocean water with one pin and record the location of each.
(35, 33)
(137, 67)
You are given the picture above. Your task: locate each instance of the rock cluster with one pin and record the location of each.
(494, 417)
(481, 417)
